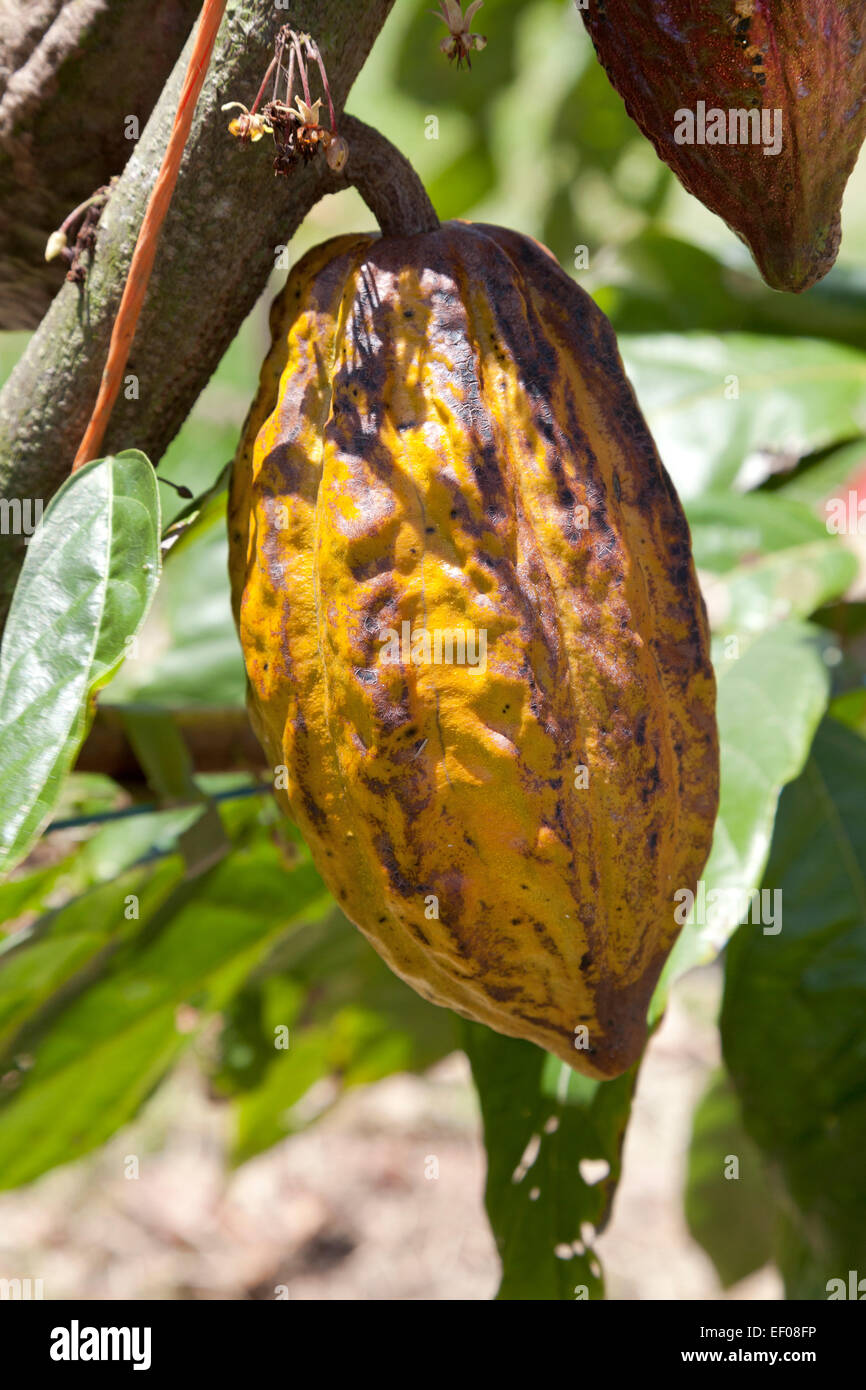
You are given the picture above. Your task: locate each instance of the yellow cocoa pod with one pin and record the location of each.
(473, 634)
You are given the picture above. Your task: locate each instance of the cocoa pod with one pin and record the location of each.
(786, 70)
(444, 442)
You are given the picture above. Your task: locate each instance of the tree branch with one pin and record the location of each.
(217, 251)
(72, 72)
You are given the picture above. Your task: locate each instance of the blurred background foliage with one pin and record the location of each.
(758, 404)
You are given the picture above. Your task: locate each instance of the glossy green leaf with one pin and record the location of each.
(554, 1142)
(792, 1018)
(772, 692)
(189, 649)
(713, 401)
(90, 573)
(736, 528)
(785, 584)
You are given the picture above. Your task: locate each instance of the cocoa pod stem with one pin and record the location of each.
(386, 181)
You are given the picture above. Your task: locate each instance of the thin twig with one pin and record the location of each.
(302, 68)
(77, 214)
(255, 106)
(154, 808)
(290, 80)
(314, 52)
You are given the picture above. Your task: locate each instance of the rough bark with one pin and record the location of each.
(217, 250)
(71, 72)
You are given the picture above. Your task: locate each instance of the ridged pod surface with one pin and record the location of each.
(444, 438)
(805, 59)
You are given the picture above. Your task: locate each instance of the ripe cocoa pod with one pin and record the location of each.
(797, 66)
(444, 439)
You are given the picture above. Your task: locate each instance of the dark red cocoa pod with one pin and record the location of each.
(789, 79)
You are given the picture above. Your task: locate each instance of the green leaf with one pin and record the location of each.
(38, 962)
(792, 1017)
(821, 478)
(771, 699)
(109, 852)
(730, 529)
(730, 1210)
(784, 584)
(764, 558)
(554, 1142)
(29, 891)
(90, 573)
(161, 751)
(165, 758)
(190, 654)
(349, 1019)
(87, 1065)
(772, 693)
(656, 283)
(850, 709)
(136, 836)
(795, 395)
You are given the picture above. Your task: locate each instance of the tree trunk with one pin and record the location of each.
(217, 250)
(72, 73)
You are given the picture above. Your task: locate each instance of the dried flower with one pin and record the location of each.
(307, 115)
(247, 127)
(292, 120)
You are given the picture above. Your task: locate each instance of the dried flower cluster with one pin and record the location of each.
(292, 120)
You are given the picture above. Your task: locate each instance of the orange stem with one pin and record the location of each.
(144, 254)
